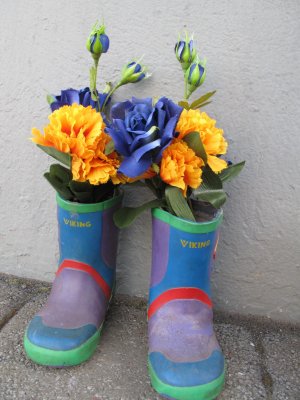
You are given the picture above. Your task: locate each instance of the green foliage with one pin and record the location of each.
(50, 99)
(202, 100)
(178, 204)
(210, 180)
(199, 103)
(215, 197)
(231, 172)
(60, 178)
(184, 104)
(193, 140)
(109, 148)
(211, 189)
(126, 215)
(64, 158)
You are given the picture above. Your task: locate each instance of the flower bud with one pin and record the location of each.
(133, 72)
(185, 52)
(98, 42)
(195, 76)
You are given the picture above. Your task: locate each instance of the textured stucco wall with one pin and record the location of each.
(253, 61)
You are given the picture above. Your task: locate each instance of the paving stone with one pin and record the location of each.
(283, 362)
(14, 292)
(243, 381)
(118, 370)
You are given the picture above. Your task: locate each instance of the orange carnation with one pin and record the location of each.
(211, 136)
(79, 131)
(181, 167)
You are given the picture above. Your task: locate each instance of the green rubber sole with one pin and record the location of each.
(208, 391)
(62, 358)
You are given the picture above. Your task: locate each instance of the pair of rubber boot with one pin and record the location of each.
(185, 360)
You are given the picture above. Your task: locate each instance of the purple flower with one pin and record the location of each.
(70, 96)
(142, 131)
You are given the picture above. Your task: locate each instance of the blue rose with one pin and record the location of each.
(82, 96)
(142, 131)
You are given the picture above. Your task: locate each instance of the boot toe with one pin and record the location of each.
(59, 339)
(187, 374)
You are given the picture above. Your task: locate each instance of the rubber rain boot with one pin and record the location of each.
(185, 360)
(67, 329)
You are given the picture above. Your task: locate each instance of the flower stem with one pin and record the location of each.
(185, 90)
(96, 62)
(110, 93)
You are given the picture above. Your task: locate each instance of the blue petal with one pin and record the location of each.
(70, 96)
(191, 45)
(168, 133)
(192, 67)
(86, 100)
(120, 145)
(142, 139)
(118, 109)
(139, 153)
(55, 105)
(133, 168)
(180, 48)
(161, 117)
(102, 98)
(173, 109)
(137, 68)
(142, 76)
(147, 101)
(105, 42)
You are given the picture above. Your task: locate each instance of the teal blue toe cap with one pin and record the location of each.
(187, 374)
(52, 338)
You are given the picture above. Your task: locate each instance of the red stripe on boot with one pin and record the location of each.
(178, 294)
(86, 268)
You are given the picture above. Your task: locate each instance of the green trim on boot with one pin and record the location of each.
(58, 358)
(188, 226)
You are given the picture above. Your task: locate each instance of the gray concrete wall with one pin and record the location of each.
(253, 61)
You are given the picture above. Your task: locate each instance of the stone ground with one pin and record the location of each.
(263, 357)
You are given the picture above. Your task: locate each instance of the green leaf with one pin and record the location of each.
(64, 158)
(194, 141)
(109, 148)
(62, 173)
(204, 104)
(178, 203)
(81, 186)
(103, 192)
(50, 99)
(197, 103)
(155, 168)
(126, 215)
(59, 186)
(231, 172)
(215, 197)
(210, 180)
(83, 191)
(184, 104)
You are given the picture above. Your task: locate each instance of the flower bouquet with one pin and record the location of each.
(173, 148)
